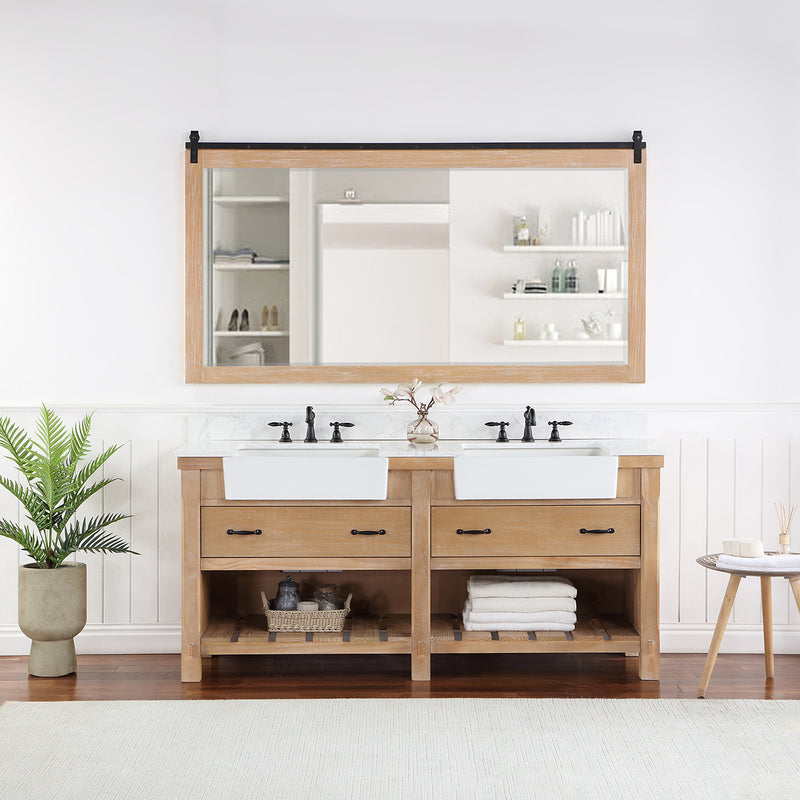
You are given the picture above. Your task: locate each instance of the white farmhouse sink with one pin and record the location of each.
(313, 472)
(494, 471)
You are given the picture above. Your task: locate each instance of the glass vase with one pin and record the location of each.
(422, 430)
(783, 544)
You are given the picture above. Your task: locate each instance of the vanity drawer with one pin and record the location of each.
(305, 531)
(535, 531)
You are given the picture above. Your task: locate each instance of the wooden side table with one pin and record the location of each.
(736, 575)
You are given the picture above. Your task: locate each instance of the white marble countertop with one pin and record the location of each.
(400, 449)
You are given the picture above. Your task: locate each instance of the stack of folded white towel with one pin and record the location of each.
(244, 255)
(520, 603)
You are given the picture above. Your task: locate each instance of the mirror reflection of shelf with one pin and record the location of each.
(565, 343)
(251, 334)
(564, 295)
(277, 266)
(250, 200)
(564, 248)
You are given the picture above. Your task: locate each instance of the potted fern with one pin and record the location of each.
(55, 481)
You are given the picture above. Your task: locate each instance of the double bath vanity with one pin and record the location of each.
(424, 521)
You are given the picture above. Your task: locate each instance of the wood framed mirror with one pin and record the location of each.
(520, 262)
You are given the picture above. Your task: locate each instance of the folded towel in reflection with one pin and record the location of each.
(768, 563)
(514, 626)
(520, 586)
(491, 617)
(522, 605)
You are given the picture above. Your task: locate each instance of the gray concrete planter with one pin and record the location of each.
(52, 610)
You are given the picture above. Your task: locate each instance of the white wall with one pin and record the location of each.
(98, 99)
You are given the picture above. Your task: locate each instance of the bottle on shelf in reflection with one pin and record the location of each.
(519, 329)
(274, 319)
(571, 280)
(265, 318)
(244, 325)
(557, 280)
(233, 323)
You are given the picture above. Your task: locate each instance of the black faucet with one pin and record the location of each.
(502, 436)
(555, 436)
(337, 435)
(285, 435)
(530, 422)
(311, 437)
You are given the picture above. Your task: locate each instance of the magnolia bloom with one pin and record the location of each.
(405, 392)
(445, 397)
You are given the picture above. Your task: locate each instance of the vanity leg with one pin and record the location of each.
(421, 487)
(193, 591)
(716, 641)
(766, 615)
(648, 590)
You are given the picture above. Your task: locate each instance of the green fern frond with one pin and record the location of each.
(27, 540)
(79, 441)
(18, 445)
(37, 510)
(92, 466)
(89, 535)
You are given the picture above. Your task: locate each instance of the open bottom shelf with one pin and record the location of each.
(592, 634)
(361, 634)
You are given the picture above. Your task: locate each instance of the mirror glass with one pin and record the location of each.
(355, 266)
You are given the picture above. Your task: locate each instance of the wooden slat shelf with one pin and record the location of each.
(592, 634)
(362, 634)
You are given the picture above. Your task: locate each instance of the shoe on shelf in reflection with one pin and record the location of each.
(245, 324)
(234, 321)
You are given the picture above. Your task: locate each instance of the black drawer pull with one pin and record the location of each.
(459, 531)
(381, 532)
(232, 532)
(597, 530)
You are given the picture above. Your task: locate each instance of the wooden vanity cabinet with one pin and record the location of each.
(609, 548)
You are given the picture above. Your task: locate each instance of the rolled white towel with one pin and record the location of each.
(764, 563)
(491, 617)
(514, 626)
(520, 586)
(522, 605)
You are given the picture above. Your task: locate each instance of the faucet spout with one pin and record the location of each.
(530, 421)
(311, 436)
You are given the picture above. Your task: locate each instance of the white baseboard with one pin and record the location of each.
(101, 638)
(695, 638)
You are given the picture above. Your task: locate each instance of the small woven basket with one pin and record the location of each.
(299, 621)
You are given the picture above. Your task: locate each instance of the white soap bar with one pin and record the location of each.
(751, 548)
(731, 547)
(308, 605)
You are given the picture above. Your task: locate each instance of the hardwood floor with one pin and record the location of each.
(157, 677)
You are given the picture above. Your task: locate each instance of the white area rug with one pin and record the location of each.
(410, 749)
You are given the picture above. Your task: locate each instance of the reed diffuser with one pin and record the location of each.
(784, 522)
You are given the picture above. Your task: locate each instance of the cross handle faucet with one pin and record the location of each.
(285, 435)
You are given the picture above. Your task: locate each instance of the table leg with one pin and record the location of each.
(716, 641)
(766, 615)
(794, 582)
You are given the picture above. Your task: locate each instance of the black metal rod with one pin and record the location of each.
(634, 145)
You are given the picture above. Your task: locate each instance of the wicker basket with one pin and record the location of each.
(306, 620)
